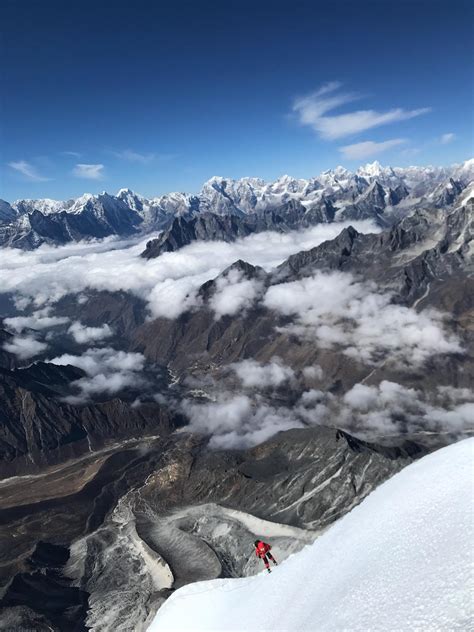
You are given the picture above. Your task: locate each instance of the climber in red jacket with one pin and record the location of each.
(262, 550)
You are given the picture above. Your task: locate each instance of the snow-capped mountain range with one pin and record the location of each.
(373, 191)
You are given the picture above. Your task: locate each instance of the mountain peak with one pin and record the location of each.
(214, 180)
(372, 168)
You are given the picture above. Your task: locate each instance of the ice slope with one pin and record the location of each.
(402, 560)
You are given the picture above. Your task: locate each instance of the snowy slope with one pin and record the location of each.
(402, 560)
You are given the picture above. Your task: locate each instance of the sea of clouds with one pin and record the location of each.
(249, 415)
(329, 309)
(168, 283)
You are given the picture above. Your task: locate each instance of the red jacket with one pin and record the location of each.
(262, 549)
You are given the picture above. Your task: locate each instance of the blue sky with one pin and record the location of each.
(160, 96)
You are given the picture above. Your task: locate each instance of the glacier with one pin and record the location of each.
(401, 560)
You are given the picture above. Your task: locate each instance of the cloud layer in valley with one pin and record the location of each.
(253, 374)
(107, 371)
(238, 420)
(385, 409)
(335, 310)
(329, 309)
(168, 284)
(38, 320)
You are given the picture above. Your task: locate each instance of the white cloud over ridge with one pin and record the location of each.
(83, 334)
(335, 310)
(25, 347)
(330, 308)
(39, 320)
(312, 110)
(237, 421)
(108, 371)
(253, 374)
(234, 294)
(392, 409)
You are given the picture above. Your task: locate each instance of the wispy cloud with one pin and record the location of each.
(134, 156)
(28, 170)
(359, 151)
(74, 154)
(312, 108)
(90, 172)
(447, 138)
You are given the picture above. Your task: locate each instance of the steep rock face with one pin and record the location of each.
(7, 213)
(306, 478)
(444, 239)
(38, 428)
(447, 193)
(369, 205)
(214, 227)
(122, 311)
(43, 587)
(7, 360)
(206, 227)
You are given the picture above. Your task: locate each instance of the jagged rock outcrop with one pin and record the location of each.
(213, 227)
(206, 227)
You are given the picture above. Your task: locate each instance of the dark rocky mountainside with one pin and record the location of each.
(269, 481)
(422, 258)
(39, 428)
(305, 478)
(211, 227)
